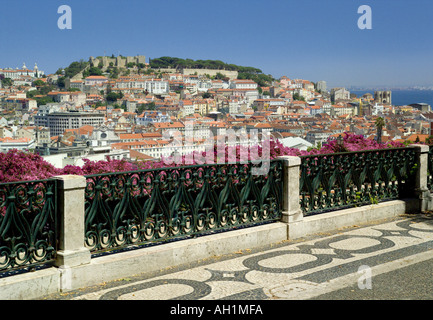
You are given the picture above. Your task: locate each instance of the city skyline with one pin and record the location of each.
(315, 40)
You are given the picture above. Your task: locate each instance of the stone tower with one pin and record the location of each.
(382, 97)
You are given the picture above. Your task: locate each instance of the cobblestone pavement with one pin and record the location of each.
(347, 264)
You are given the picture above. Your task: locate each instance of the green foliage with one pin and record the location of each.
(38, 82)
(220, 76)
(243, 72)
(61, 82)
(74, 68)
(429, 140)
(92, 71)
(39, 100)
(374, 199)
(298, 97)
(249, 73)
(42, 90)
(114, 72)
(44, 100)
(6, 82)
(172, 62)
(145, 106)
(113, 96)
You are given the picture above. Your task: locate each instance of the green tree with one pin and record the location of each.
(114, 73)
(61, 82)
(92, 71)
(6, 82)
(298, 97)
(38, 83)
(113, 96)
(379, 123)
(75, 68)
(145, 106)
(429, 140)
(43, 100)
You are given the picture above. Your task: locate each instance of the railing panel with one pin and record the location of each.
(430, 169)
(144, 207)
(28, 224)
(341, 180)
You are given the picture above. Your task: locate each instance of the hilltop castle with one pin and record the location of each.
(119, 61)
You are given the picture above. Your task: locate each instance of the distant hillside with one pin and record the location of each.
(252, 73)
(73, 69)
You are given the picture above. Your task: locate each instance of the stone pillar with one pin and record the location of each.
(71, 251)
(421, 190)
(292, 213)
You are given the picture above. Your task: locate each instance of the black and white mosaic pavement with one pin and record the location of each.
(306, 269)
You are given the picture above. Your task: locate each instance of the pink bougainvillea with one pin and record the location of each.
(22, 166)
(18, 165)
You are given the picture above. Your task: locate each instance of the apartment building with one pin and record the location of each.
(317, 136)
(16, 74)
(7, 144)
(243, 84)
(148, 117)
(95, 80)
(265, 104)
(58, 122)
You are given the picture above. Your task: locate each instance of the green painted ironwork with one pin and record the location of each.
(148, 206)
(335, 181)
(28, 224)
(430, 169)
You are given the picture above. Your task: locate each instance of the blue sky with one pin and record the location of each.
(309, 39)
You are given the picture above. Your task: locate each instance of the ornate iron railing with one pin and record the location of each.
(150, 206)
(430, 169)
(28, 224)
(335, 181)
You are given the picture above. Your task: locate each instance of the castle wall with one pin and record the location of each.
(212, 72)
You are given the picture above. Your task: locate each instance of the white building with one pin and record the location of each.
(296, 142)
(340, 94)
(95, 80)
(60, 160)
(58, 122)
(16, 74)
(377, 110)
(7, 144)
(103, 136)
(156, 86)
(317, 136)
(187, 107)
(150, 117)
(243, 84)
(321, 86)
(204, 85)
(77, 98)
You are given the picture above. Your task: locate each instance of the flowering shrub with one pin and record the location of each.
(21, 166)
(18, 165)
(350, 142)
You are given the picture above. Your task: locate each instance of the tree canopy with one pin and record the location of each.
(73, 69)
(172, 62)
(250, 73)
